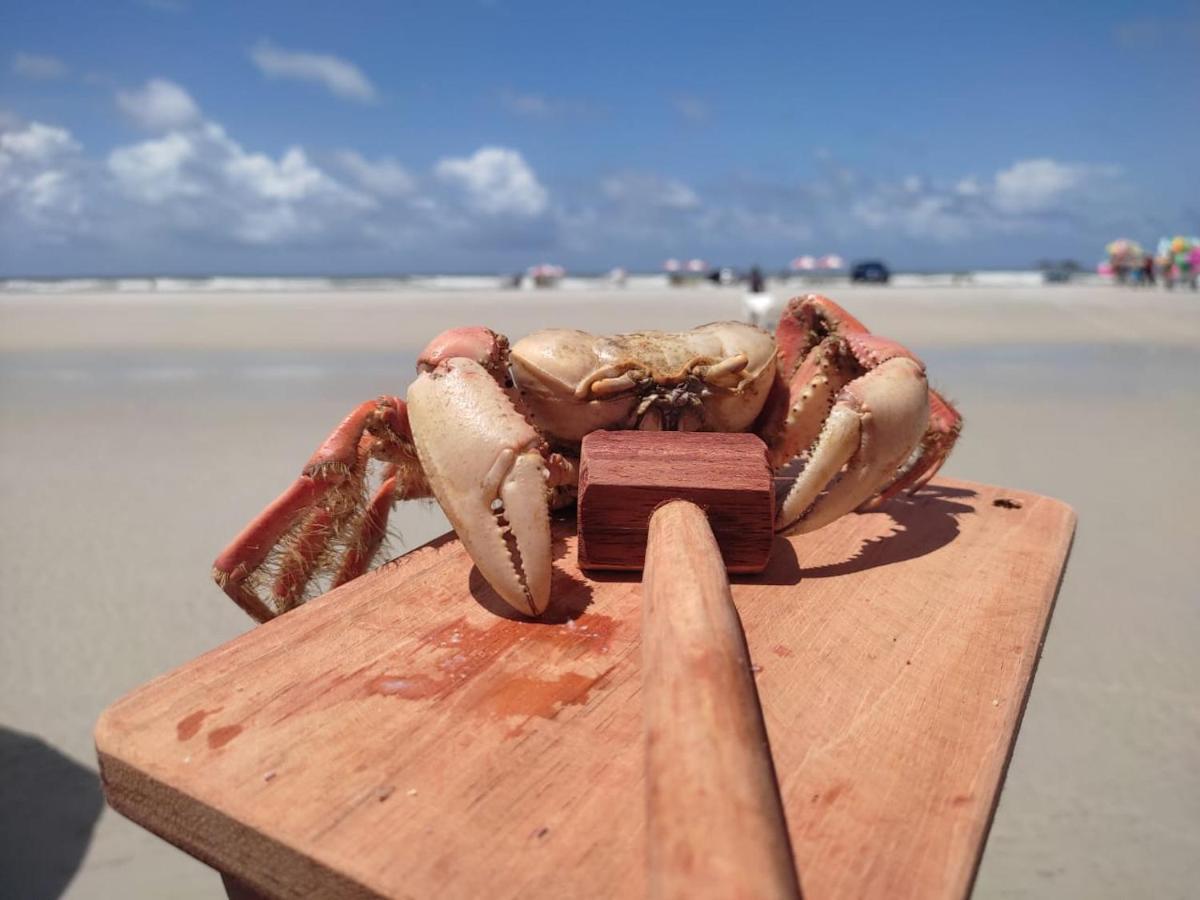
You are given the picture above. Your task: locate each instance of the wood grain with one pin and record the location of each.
(714, 822)
(400, 737)
(624, 475)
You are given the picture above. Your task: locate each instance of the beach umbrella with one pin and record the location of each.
(830, 261)
(671, 265)
(696, 265)
(1124, 251)
(804, 263)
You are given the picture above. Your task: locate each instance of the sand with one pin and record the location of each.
(137, 433)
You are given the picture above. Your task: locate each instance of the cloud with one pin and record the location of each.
(35, 142)
(338, 76)
(692, 109)
(159, 105)
(201, 179)
(496, 181)
(532, 105)
(1037, 184)
(384, 177)
(191, 194)
(648, 190)
(1029, 197)
(39, 184)
(38, 67)
(535, 105)
(191, 191)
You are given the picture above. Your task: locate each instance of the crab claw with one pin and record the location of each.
(485, 465)
(876, 422)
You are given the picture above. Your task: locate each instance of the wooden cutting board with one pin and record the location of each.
(402, 736)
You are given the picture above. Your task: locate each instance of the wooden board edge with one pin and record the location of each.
(1070, 520)
(256, 628)
(244, 852)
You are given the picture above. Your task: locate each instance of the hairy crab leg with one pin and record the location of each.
(370, 531)
(874, 425)
(323, 503)
(487, 467)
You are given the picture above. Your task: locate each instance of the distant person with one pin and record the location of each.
(1148, 269)
(757, 284)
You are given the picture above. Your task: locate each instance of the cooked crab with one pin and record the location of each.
(493, 433)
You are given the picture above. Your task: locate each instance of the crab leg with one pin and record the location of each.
(798, 411)
(807, 321)
(876, 422)
(486, 467)
(293, 535)
(370, 532)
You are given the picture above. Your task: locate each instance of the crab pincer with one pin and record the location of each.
(486, 466)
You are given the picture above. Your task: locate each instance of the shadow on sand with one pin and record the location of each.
(49, 805)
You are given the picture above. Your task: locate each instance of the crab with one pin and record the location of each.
(492, 432)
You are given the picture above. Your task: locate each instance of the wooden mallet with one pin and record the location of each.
(686, 508)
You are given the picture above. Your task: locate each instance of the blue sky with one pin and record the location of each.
(174, 136)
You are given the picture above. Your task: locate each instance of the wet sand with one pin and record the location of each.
(138, 432)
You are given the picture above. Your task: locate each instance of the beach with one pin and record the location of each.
(140, 430)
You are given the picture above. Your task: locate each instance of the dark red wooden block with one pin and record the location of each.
(625, 475)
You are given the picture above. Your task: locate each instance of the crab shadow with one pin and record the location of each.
(923, 523)
(570, 595)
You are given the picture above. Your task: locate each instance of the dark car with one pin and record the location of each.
(873, 272)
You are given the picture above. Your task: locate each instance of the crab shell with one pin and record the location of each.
(713, 378)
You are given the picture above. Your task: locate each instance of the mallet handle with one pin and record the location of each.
(715, 825)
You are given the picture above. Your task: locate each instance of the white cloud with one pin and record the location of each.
(1030, 185)
(156, 171)
(37, 66)
(968, 187)
(1028, 197)
(643, 189)
(193, 195)
(202, 179)
(39, 184)
(159, 105)
(337, 75)
(36, 142)
(385, 176)
(291, 178)
(496, 181)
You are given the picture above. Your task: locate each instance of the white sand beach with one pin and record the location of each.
(138, 432)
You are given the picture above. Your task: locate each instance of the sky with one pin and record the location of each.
(189, 138)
